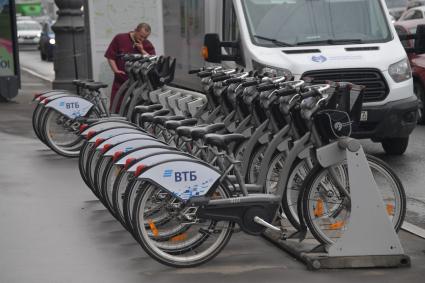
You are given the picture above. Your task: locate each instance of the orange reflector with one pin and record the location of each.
(98, 142)
(117, 155)
(337, 225)
(390, 209)
(204, 52)
(139, 170)
(318, 211)
(153, 228)
(179, 238)
(90, 134)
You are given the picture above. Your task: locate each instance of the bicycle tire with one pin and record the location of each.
(375, 163)
(176, 260)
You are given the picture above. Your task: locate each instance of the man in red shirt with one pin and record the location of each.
(127, 43)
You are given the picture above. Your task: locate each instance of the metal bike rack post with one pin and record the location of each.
(172, 100)
(153, 95)
(163, 99)
(369, 239)
(194, 106)
(182, 104)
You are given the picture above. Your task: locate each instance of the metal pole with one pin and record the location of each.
(70, 58)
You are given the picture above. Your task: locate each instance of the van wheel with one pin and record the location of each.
(420, 93)
(395, 146)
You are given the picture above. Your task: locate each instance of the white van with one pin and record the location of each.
(340, 40)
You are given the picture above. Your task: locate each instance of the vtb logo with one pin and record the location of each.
(180, 176)
(71, 105)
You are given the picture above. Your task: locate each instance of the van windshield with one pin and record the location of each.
(316, 22)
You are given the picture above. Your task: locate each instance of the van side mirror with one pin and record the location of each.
(212, 51)
(420, 40)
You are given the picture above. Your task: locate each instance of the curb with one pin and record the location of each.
(413, 229)
(38, 75)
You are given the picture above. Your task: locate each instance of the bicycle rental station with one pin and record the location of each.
(223, 139)
(248, 151)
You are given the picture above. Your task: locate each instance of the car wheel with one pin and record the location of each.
(395, 146)
(420, 93)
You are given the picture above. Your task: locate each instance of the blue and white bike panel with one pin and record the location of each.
(184, 179)
(71, 106)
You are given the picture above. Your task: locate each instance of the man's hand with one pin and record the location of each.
(139, 47)
(119, 72)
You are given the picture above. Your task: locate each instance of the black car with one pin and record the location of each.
(47, 42)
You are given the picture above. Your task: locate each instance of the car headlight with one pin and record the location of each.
(52, 41)
(272, 70)
(400, 71)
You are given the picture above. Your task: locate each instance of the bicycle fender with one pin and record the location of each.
(142, 153)
(46, 99)
(109, 133)
(183, 178)
(160, 156)
(71, 106)
(130, 145)
(283, 146)
(331, 154)
(98, 127)
(305, 153)
(124, 137)
(45, 95)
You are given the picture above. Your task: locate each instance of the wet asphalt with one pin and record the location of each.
(53, 230)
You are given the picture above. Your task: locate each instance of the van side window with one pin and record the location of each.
(230, 22)
(402, 31)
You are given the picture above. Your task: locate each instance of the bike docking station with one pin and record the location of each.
(369, 239)
(181, 101)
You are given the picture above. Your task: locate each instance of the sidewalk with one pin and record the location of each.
(31, 62)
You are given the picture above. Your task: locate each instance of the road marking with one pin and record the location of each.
(409, 227)
(40, 76)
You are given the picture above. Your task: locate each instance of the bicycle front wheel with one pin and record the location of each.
(327, 211)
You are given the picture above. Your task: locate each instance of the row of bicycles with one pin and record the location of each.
(250, 159)
(60, 113)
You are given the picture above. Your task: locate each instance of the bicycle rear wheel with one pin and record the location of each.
(327, 211)
(201, 241)
(60, 138)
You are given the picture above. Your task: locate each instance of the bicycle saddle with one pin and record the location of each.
(148, 117)
(184, 131)
(200, 132)
(147, 108)
(95, 86)
(223, 141)
(162, 119)
(172, 125)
